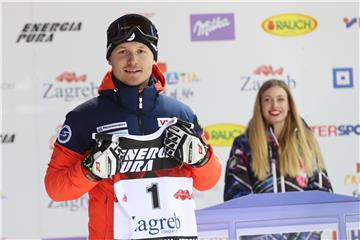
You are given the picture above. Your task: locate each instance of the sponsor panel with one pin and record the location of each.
(252, 82)
(343, 78)
(69, 87)
(336, 130)
(7, 138)
(212, 27)
(80, 204)
(289, 24)
(179, 83)
(223, 134)
(40, 32)
(351, 22)
(353, 180)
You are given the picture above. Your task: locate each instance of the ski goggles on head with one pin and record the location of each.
(122, 28)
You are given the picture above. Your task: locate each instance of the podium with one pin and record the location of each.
(281, 213)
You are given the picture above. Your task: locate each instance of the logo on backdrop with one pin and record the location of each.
(210, 27)
(222, 134)
(45, 32)
(70, 87)
(292, 24)
(342, 77)
(350, 22)
(6, 138)
(81, 203)
(7, 86)
(179, 83)
(336, 131)
(263, 73)
(353, 179)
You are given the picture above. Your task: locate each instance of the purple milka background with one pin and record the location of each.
(226, 33)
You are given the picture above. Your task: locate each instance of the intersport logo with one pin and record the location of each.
(290, 24)
(210, 27)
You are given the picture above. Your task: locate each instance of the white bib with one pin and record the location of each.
(150, 203)
(154, 208)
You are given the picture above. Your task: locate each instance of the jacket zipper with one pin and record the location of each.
(139, 114)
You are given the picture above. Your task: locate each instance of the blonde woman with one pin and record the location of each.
(277, 146)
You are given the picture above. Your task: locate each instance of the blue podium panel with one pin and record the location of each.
(337, 216)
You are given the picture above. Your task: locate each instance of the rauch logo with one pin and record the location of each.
(71, 87)
(289, 24)
(222, 135)
(206, 27)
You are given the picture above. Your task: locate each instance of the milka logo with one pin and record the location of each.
(141, 159)
(212, 27)
(205, 28)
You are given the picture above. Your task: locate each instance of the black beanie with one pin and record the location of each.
(132, 28)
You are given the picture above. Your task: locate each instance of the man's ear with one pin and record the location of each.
(109, 62)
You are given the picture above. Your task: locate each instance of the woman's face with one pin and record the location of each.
(275, 105)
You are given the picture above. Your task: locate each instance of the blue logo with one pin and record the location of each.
(342, 77)
(65, 134)
(154, 226)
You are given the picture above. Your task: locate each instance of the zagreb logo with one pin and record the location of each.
(69, 87)
(261, 74)
(65, 134)
(292, 24)
(342, 78)
(222, 135)
(212, 27)
(44, 32)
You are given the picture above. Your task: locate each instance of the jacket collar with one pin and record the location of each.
(128, 97)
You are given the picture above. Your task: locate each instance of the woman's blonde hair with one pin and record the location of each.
(297, 142)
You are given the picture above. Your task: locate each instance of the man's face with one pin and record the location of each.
(132, 63)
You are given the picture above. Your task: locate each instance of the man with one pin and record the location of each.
(160, 162)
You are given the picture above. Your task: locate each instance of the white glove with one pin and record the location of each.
(183, 143)
(104, 164)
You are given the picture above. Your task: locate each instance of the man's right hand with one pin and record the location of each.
(104, 164)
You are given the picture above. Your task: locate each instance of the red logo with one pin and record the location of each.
(97, 166)
(183, 194)
(71, 77)
(268, 70)
(124, 199)
(200, 148)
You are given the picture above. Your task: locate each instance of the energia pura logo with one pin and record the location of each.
(45, 32)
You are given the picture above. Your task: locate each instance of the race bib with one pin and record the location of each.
(161, 208)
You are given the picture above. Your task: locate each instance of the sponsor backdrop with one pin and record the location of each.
(214, 55)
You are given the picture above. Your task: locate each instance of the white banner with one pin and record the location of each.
(214, 55)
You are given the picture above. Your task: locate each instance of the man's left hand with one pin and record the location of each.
(185, 145)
